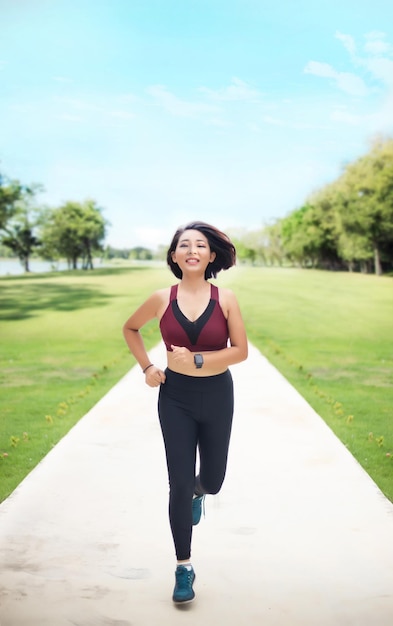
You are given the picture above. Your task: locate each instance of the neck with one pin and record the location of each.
(194, 283)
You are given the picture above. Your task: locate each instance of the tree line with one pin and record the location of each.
(345, 225)
(74, 231)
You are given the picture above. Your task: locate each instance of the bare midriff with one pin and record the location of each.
(192, 370)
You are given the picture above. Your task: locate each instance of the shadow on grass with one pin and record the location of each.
(26, 300)
(24, 296)
(103, 271)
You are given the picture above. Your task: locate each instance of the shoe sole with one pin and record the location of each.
(181, 602)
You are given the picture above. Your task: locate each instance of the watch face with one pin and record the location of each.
(198, 360)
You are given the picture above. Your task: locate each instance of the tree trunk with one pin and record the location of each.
(377, 261)
(89, 263)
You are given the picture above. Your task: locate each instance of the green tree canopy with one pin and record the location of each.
(74, 231)
(348, 223)
(19, 216)
(308, 235)
(11, 192)
(365, 204)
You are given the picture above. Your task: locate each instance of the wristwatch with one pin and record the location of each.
(198, 360)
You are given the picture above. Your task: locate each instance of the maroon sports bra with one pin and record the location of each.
(208, 332)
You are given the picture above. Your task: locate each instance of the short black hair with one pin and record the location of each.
(219, 243)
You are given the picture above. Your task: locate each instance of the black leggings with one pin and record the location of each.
(194, 412)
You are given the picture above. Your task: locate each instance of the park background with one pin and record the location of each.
(122, 120)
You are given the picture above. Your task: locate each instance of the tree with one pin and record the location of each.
(116, 253)
(20, 218)
(354, 250)
(22, 242)
(366, 203)
(74, 231)
(11, 192)
(92, 232)
(275, 252)
(300, 236)
(243, 251)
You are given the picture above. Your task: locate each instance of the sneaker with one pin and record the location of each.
(183, 591)
(198, 503)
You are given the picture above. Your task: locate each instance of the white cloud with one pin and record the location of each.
(351, 84)
(377, 47)
(178, 107)
(100, 109)
(320, 69)
(376, 60)
(376, 44)
(345, 81)
(348, 42)
(373, 122)
(381, 68)
(238, 90)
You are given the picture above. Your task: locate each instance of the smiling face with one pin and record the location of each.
(193, 251)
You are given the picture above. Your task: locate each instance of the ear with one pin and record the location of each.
(173, 256)
(212, 257)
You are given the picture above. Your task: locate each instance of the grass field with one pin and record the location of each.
(330, 334)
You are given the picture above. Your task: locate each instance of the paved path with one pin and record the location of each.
(298, 536)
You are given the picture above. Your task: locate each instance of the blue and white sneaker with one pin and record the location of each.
(183, 591)
(198, 503)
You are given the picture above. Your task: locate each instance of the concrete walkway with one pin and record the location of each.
(298, 536)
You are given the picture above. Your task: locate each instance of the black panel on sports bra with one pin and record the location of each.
(193, 329)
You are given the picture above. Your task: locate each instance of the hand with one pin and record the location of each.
(154, 376)
(182, 356)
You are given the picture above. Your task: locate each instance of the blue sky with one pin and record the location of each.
(165, 111)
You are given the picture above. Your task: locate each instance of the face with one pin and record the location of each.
(193, 251)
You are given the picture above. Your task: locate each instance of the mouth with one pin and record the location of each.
(192, 261)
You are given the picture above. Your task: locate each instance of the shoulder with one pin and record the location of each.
(226, 295)
(227, 300)
(156, 301)
(160, 296)
(161, 299)
(153, 307)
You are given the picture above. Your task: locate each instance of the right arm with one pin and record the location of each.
(147, 311)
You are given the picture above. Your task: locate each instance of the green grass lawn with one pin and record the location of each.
(62, 350)
(330, 334)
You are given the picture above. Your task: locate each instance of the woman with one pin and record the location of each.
(203, 331)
